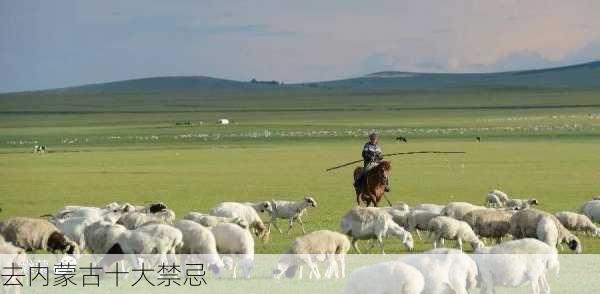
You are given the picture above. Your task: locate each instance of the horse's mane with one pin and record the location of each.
(384, 165)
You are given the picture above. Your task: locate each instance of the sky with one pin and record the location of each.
(50, 44)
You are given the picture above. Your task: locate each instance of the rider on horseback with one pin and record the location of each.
(372, 156)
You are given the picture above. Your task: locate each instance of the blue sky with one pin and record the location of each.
(48, 44)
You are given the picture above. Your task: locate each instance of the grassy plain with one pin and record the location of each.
(534, 143)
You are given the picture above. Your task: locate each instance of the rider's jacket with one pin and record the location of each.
(371, 154)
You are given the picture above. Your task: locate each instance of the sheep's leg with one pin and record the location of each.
(301, 225)
(342, 260)
(535, 287)
(291, 223)
(543, 284)
(354, 245)
(274, 222)
(331, 267)
(301, 272)
(380, 241)
(418, 234)
(234, 269)
(460, 244)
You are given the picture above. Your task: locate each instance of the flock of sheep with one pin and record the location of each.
(223, 239)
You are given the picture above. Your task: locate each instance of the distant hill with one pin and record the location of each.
(582, 76)
(169, 84)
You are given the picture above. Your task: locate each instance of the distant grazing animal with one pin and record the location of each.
(39, 149)
(375, 183)
(401, 139)
(478, 139)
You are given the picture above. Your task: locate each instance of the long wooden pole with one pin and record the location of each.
(398, 153)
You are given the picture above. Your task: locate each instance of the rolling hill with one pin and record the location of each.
(571, 86)
(581, 76)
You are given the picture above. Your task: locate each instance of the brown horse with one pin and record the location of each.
(374, 187)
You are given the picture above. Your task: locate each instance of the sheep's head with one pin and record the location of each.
(533, 201)
(408, 241)
(310, 201)
(157, 207)
(266, 207)
(574, 244)
(477, 245)
(57, 242)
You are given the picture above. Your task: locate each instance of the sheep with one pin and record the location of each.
(502, 196)
(261, 206)
(36, 234)
(110, 212)
(247, 213)
(514, 263)
(457, 210)
(577, 222)
(10, 255)
(401, 206)
(136, 219)
(490, 223)
(73, 227)
(233, 240)
(169, 239)
(100, 236)
(362, 223)
(320, 245)
(417, 220)
(385, 277)
(452, 229)
(399, 216)
(291, 211)
(526, 224)
(199, 240)
(211, 220)
(521, 203)
(493, 200)
(592, 210)
(445, 270)
(434, 208)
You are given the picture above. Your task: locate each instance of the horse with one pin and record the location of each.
(374, 187)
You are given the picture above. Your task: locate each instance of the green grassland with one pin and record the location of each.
(134, 147)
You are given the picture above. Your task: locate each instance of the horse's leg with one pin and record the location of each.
(374, 200)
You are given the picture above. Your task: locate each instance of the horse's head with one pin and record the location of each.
(383, 170)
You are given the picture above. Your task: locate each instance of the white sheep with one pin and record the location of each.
(110, 212)
(458, 210)
(136, 219)
(73, 227)
(261, 206)
(516, 262)
(362, 223)
(526, 224)
(211, 220)
(452, 229)
(418, 220)
(238, 243)
(490, 223)
(502, 196)
(592, 210)
(247, 213)
(493, 200)
(385, 277)
(399, 216)
(290, 210)
(36, 234)
(199, 242)
(521, 203)
(445, 271)
(577, 222)
(100, 236)
(321, 245)
(433, 208)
